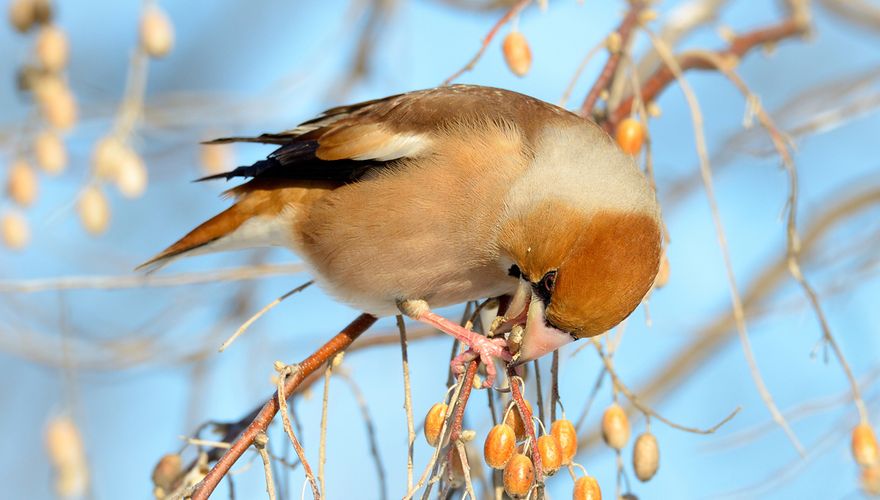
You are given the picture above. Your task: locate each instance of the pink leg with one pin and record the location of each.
(479, 346)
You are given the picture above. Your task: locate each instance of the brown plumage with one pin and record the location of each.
(439, 196)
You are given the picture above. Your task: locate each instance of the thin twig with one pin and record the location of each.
(147, 280)
(792, 239)
(577, 74)
(286, 372)
(516, 386)
(260, 444)
(444, 436)
(736, 301)
(322, 447)
(620, 387)
(738, 47)
(590, 399)
(261, 419)
(466, 468)
(514, 10)
(625, 31)
(407, 403)
(247, 324)
(539, 390)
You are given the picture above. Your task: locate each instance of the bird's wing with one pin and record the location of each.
(345, 142)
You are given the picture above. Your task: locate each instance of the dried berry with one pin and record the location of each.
(50, 152)
(157, 33)
(646, 456)
(434, 423)
(131, 179)
(21, 15)
(564, 432)
(551, 453)
(519, 474)
(500, 446)
(166, 472)
(517, 53)
(57, 104)
(109, 154)
(15, 231)
(22, 183)
(94, 211)
(52, 48)
(64, 446)
(630, 135)
(586, 488)
(615, 427)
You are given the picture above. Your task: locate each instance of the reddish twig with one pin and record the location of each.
(262, 419)
(466, 387)
(514, 10)
(526, 415)
(625, 30)
(738, 48)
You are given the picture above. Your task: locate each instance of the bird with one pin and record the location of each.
(425, 199)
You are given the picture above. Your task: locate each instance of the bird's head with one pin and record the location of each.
(585, 253)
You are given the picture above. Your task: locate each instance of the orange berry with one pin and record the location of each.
(519, 474)
(434, 423)
(500, 446)
(864, 445)
(615, 427)
(630, 135)
(870, 479)
(565, 435)
(517, 53)
(586, 488)
(646, 457)
(551, 453)
(514, 420)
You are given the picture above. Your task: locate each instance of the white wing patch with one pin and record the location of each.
(399, 146)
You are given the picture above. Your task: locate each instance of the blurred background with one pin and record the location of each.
(106, 369)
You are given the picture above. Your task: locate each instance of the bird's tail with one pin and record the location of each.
(207, 237)
(264, 214)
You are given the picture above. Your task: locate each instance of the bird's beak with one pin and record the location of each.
(539, 338)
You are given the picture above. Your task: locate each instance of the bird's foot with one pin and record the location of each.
(486, 350)
(479, 346)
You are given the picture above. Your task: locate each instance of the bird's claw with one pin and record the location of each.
(486, 350)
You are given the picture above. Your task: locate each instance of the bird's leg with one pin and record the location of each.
(478, 346)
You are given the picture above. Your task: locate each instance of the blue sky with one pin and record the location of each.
(266, 65)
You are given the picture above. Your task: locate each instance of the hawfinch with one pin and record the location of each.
(441, 196)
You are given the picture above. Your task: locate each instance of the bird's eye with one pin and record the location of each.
(548, 282)
(514, 271)
(545, 287)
